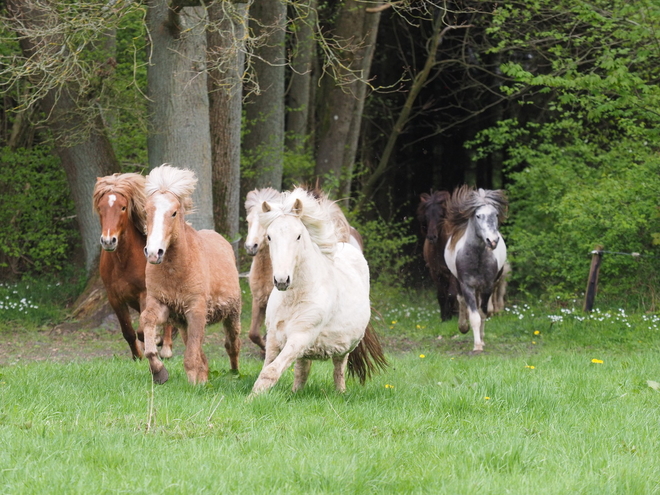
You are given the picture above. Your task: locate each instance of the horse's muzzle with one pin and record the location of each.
(492, 244)
(282, 285)
(154, 258)
(109, 243)
(252, 250)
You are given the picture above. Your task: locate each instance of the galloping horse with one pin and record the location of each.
(475, 253)
(321, 307)
(119, 201)
(261, 271)
(431, 214)
(191, 275)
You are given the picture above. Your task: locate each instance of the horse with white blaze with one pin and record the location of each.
(475, 253)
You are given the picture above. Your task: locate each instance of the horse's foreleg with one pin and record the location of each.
(257, 320)
(194, 359)
(232, 326)
(474, 316)
(124, 317)
(271, 372)
(339, 374)
(153, 315)
(301, 373)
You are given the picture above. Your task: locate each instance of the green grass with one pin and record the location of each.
(532, 414)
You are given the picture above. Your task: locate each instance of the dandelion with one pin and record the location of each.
(530, 367)
(536, 332)
(486, 398)
(422, 356)
(393, 322)
(597, 361)
(387, 385)
(533, 342)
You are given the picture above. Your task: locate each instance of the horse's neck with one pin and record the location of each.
(179, 250)
(261, 260)
(471, 237)
(312, 268)
(131, 246)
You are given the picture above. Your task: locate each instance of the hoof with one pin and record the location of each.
(475, 352)
(165, 352)
(464, 330)
(161, 376)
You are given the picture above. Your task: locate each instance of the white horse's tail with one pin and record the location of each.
(367, 358)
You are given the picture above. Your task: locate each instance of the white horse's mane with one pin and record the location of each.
(178, 181)
(257, 196)
(316, 217)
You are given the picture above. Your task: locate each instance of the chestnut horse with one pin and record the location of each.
(321, 307)
(191, 276)
(261, 271)
(119, 201)
(431, 214)
(475, 253)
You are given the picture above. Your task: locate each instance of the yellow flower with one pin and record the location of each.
(597, 361)
(533, 342)
(530, 367)
(418, 327)
(387, 385)
(536, 332)
(393, 322)
(422, 356)
(486, 398)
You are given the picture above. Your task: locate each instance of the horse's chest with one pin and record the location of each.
(476, 266)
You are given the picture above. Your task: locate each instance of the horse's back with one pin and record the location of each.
(218, 256)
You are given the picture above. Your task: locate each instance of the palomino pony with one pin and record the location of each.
(431, 214)
(261, 270)
(191, 276)
(321, 307)
(256, 245)
(119, 201)
(475, 253)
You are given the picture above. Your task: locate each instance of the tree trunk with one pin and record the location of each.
(178, 99)
(264, 107)
(226, 61)
(338, 97)
(299, 92)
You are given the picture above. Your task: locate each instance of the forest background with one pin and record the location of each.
(554, 101)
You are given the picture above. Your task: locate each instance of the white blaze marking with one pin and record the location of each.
(155, 240)
(111, 200)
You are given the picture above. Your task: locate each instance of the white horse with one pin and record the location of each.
(475, 253)
(321, 307)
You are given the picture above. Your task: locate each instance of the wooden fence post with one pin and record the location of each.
(592, 282)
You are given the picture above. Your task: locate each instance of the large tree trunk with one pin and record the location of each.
(226, 60)
(299, 92)
(264, 140)
(178, 98)
(338, 97)
(80, 138)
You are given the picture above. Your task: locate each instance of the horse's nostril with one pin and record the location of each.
(145, 251)
(114, 239)
(160, 252)
(288, 280)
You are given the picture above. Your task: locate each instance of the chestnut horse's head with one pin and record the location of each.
(168, 192)
(431, 213)
(119, 201)
(256, 234)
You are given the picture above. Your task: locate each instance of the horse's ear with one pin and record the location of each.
(265, 207)
(424, 197)
(297, 207)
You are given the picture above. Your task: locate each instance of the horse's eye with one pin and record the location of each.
(123, 208)
(173, 214)
(268, 237)
(298, 237)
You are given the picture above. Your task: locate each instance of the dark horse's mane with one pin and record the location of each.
(464, 202)
(438, 200)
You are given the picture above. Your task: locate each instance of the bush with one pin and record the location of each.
(37, 228)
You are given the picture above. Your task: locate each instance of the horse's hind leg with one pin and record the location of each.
(339, 374)
(301, 373)
(166, 348)
(232, 326)
(124, 317)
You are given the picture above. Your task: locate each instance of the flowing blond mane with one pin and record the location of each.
(180, 182)
(464, 202)
(342, 227)
(257, 196)
(316, 217)
(131, 186)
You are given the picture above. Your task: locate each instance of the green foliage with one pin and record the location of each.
(37, 231)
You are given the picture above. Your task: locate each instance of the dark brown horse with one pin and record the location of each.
(119, 201)
(431, 214)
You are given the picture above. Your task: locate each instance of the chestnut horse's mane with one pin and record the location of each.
(316, 216)
(131, 186)
(258, 196)
(178, 181)
(464, 202)
(436, 198)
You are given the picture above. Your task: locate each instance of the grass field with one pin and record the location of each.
(559, 403)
